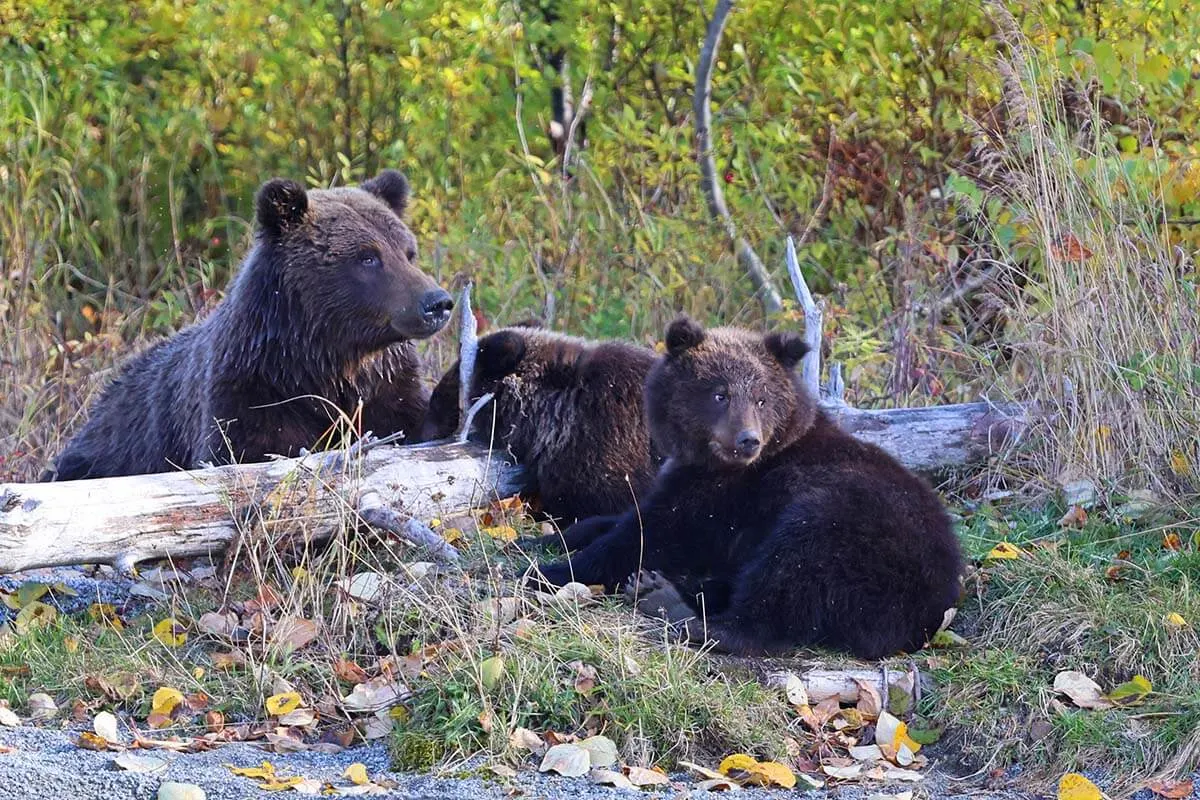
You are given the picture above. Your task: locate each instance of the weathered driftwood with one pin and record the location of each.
(125, 520)
(937, 438)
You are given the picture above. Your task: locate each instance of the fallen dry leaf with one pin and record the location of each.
(1171, 790)
(849, 773)
(601, 749)
(373, 695)
(90, 741)
(348, 671)
(8, 718)
(132, 762)
(1076, 517)
(105, 726)
(279, 704)
(568, 760)
(1083, 691)
(641, 776)
(170, 632)
(42, 706)
(218, 624)
(1175, 621)
(1004, 550)
(364, 586)
(356, 773)
(870, 704)
(1070, 248)
(585, 677)
(1074, 786)
(607, 777)
(525, 739)
(717, 785)
(172, 790)
(293, 633)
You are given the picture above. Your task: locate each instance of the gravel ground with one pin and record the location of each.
(48, 764)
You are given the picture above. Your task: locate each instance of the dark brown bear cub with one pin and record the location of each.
(783, 529)
(320, 317)
(570, 410)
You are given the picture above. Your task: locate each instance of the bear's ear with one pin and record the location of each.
(391, 187)
(281, 205)
(499, 354)
(787, 348)
(683, 334)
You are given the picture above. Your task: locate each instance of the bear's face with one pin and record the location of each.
(347, 256)
(725, 398)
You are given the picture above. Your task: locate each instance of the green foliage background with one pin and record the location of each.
(133, 136)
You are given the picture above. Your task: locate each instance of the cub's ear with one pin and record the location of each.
(786, 348)
(683, 334)
(281, 205)
(391, 187)
(499, 354)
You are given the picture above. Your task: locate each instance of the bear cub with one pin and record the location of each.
(768, 527)
(320, 317)
(568, 409)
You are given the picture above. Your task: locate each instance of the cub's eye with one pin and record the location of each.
(370, 260)
(720, 398)
(762, 403)
(411, 255)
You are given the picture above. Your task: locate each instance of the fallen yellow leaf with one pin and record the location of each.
(505, 533)
(279, 704)
(274, 784)
(1004, 550)
(357, 774)
(772, 773)
(267, 770)
(165, 700)
(1175, 621)
(1074, 786)
(739, 762)
(170, 632)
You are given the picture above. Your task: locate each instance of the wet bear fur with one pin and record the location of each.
(568, 409)
(768, 521)
(320, 316)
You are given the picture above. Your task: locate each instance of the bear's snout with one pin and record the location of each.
(435, 308)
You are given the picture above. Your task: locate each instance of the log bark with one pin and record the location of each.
(182, 514)
(125, 520)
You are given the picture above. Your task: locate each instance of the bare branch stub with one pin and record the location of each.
(468, 351)
(813, 322)
(714, 195)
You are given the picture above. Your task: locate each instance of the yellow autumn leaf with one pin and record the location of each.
(738, 761)
(1131, 692)
(1074, 786)
(33, 615)
(198, 673)
(165, 700)
(71, 644)
(279, 704)
(772, 773)
(1175, 621)
(505, 533)
(357, 774)
(1004, 550)
(170, 632)
(1179, 463)
(281, 784)
(267, 770)
(452, 535)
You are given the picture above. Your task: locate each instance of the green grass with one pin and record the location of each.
(1094, 600)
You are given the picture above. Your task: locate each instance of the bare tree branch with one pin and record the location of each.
(702, 105)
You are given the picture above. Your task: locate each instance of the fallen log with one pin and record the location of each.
(182, 514)
(125, 520)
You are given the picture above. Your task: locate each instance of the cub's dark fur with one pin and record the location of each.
(791, 531)
(570, 410)
(320, 316)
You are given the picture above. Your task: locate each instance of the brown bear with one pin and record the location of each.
(321, 316)
(769, 527)
(568, 409)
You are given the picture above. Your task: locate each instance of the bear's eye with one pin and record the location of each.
(720, 397)
(761, 403)
(411, 255)
(370, 260)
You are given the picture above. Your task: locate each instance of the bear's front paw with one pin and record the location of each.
(655, 596)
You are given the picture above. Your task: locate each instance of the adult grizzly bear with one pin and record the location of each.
(320, 316)
(791, 531)
(570, 410)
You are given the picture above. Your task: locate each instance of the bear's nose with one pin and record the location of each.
(436, 305)
(748, 440)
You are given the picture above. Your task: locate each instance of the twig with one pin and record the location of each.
(822, 210)
(469, 417)
(374, 511)
(577, 115)
(813, 322)
(702, 106)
